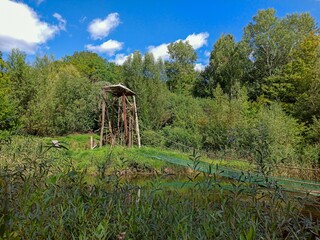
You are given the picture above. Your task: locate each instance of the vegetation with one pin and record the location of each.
(256, 101)
(263, 88)
(64, 200)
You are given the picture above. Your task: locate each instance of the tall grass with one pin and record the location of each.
(45, 196)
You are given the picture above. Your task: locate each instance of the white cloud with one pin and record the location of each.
(199, 67)
(61, 20)
(21, 27)
(207, 53)
(109, 47)
(195, 40)
(120, 58)
(160, 51)
(100, 28)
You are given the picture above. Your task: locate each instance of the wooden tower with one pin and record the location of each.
(119, 117)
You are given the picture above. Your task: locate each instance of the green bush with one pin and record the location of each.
(65, 103)
(181, 138)
(152, 138)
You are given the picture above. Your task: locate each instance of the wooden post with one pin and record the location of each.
(124, 109)
(109, 127)
(130, 132)
(91, 142)
(132, 127)
(119, 118)
(111, 123)
(103, 118)
(136, 121)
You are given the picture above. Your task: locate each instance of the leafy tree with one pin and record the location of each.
(7, 106)
(133, 71)
(180, 68)
(271, 41)
(92, 66)
(156, 96)
(19, 74)
(186, 117)
(65, 101)
(302, 75)
(228, 65)
(144, 76)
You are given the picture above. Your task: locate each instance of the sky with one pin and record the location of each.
(116, 28)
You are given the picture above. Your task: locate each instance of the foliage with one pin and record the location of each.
(68, 105)
(180, 68)
(145, 76)
(227, 66)
(271, 41)
(93, 67)
(43, 198)
(21, 83)
(7, 107)
(261, 92)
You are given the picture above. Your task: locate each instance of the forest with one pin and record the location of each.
(257, 101)
(261, 90)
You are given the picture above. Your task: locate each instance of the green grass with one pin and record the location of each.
(45, 194)
(80, 151)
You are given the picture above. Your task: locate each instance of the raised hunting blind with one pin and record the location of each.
(119, 117)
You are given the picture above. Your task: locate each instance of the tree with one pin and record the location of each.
(180, 68)
(7, 106)
(23, 86)
(64, 102)
(93, 67)
(156, 96)
(271, 41)
(228, 65)
(145, 77)
(302, 76)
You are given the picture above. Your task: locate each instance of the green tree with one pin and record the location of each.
(180, 68)
(65, 101)
(93, 67)
(228, 65)
(302, 76)
(156, 96)
(271, 41)
(145, 77)
(7, 106)
(22, 84)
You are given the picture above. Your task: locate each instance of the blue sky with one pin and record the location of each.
(115, 28)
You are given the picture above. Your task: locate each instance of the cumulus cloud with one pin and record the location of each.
(100, 28)
(120, 58)
(160, 51)
(195, 40)
(61, 20)
(199, 67)
(109, 47)
(21, 27)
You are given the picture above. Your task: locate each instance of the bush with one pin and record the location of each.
(152, 138)
(64, 104)
(180, 138)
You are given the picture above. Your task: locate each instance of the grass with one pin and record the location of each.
(124, 159)
(45, 194)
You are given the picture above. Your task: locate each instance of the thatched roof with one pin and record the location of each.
(118, 90)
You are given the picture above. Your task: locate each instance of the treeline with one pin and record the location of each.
(258, 95)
